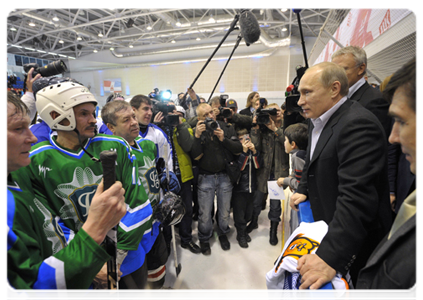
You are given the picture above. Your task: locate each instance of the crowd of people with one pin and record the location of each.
(203, 160)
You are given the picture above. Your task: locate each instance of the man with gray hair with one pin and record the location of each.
(344, 177)
(354, 61)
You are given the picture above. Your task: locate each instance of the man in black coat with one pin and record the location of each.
(344, 176)
(393, 263)
(354, 60)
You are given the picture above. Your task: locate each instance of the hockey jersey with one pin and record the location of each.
(68, 180)
(38, 256)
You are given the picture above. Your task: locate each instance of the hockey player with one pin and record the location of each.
(66, 172)
(36, 254)
(121, 121)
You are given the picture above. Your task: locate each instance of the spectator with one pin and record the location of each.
(210, 148)
(296, 138)
(243, 192)
(393, 264)
(249, 107)
(354, 60)
(38, 255)
(71, 173)
(101, 127)
(269, 140)
(353, 199)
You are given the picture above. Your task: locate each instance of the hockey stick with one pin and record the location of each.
(178, 267)
(108, 161)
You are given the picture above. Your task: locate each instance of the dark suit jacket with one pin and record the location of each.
(372, 99)
(246, 111)
(393, 263)
(347, 185)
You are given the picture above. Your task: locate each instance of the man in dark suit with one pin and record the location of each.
(354, 60)
(344, 176)
(393, 263)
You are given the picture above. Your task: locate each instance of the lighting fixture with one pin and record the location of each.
(100, 34)
(55, 18)
(173, 42)
(79, 38)
(111, 48)
(95, 51)
(131, 46)
(32, 24)
(284, 9)
(198, 39)
(212, 20)
(284, 29)
(13, 29)
(61, 42)
(149, 27)
(178, 23)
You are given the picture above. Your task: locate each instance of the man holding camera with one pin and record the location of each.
(267, 135)
(215, 143)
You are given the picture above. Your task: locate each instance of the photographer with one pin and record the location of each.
(269, 140)
(214, 145)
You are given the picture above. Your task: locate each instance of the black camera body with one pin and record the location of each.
(160, 104)
(263, 115)
(53, 68)
(211, 125)
(225, 112)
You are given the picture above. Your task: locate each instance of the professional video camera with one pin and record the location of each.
(53, 68)
(224, 112)
(263, 114)
(161, 104)
(292, 113)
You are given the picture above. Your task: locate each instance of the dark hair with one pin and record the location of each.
(405, 76)
(297, 133)
(20, 106)
(108, 112)
(137, 100)
(242, 131)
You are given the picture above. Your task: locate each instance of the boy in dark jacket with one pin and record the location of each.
(242, 194)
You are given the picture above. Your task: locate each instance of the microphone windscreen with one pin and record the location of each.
(250, 29)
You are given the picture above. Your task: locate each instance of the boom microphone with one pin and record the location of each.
(250, 29)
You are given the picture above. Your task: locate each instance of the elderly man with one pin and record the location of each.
(393, 263)
(344, 176)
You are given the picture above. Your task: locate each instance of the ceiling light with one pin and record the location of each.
(61, 42)
(284, 9)
(55, 18)
(173, 42)
(13, 29)
(79, 38)
(95, 51)
(32, 24)
(131, 46)
(149, 27)
(212, 20)
(111, 48)
(100, 34)
(198, 39)
(284, 29)
(178, 23)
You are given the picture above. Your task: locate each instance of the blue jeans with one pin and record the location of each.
(208, 186)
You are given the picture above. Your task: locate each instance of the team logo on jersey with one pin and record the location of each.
(150, 179)
(52, 229)
(77, 195)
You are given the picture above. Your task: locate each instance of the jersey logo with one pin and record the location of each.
(43, 170)
(77, 195)
(150, 179)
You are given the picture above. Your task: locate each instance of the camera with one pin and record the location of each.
(292, 113)
(263, 114)
(224, 112)
(160, 101)
(211, 125)
(53, 68)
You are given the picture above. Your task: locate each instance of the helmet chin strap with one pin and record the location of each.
(82, 146)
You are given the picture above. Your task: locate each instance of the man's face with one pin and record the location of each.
(144, 114)
(126, 125)
(19, 139)
(404, 129)
(85, 120)
(315, 99)
(354, 72)
(256, 103)
(206, 111)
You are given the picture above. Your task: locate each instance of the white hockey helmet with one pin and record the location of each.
(62, 97)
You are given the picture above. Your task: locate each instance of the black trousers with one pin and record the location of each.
(242, 205)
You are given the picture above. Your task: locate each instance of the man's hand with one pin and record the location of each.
(192, 94)
(30, 80)
(271, 125)
(296, 199)
(158, 117)
(220, 134)
(279, 182)
(199, 128)
(100, 280)
(314, 271)
(106, 210)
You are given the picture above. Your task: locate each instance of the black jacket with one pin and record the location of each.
(248, 163)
